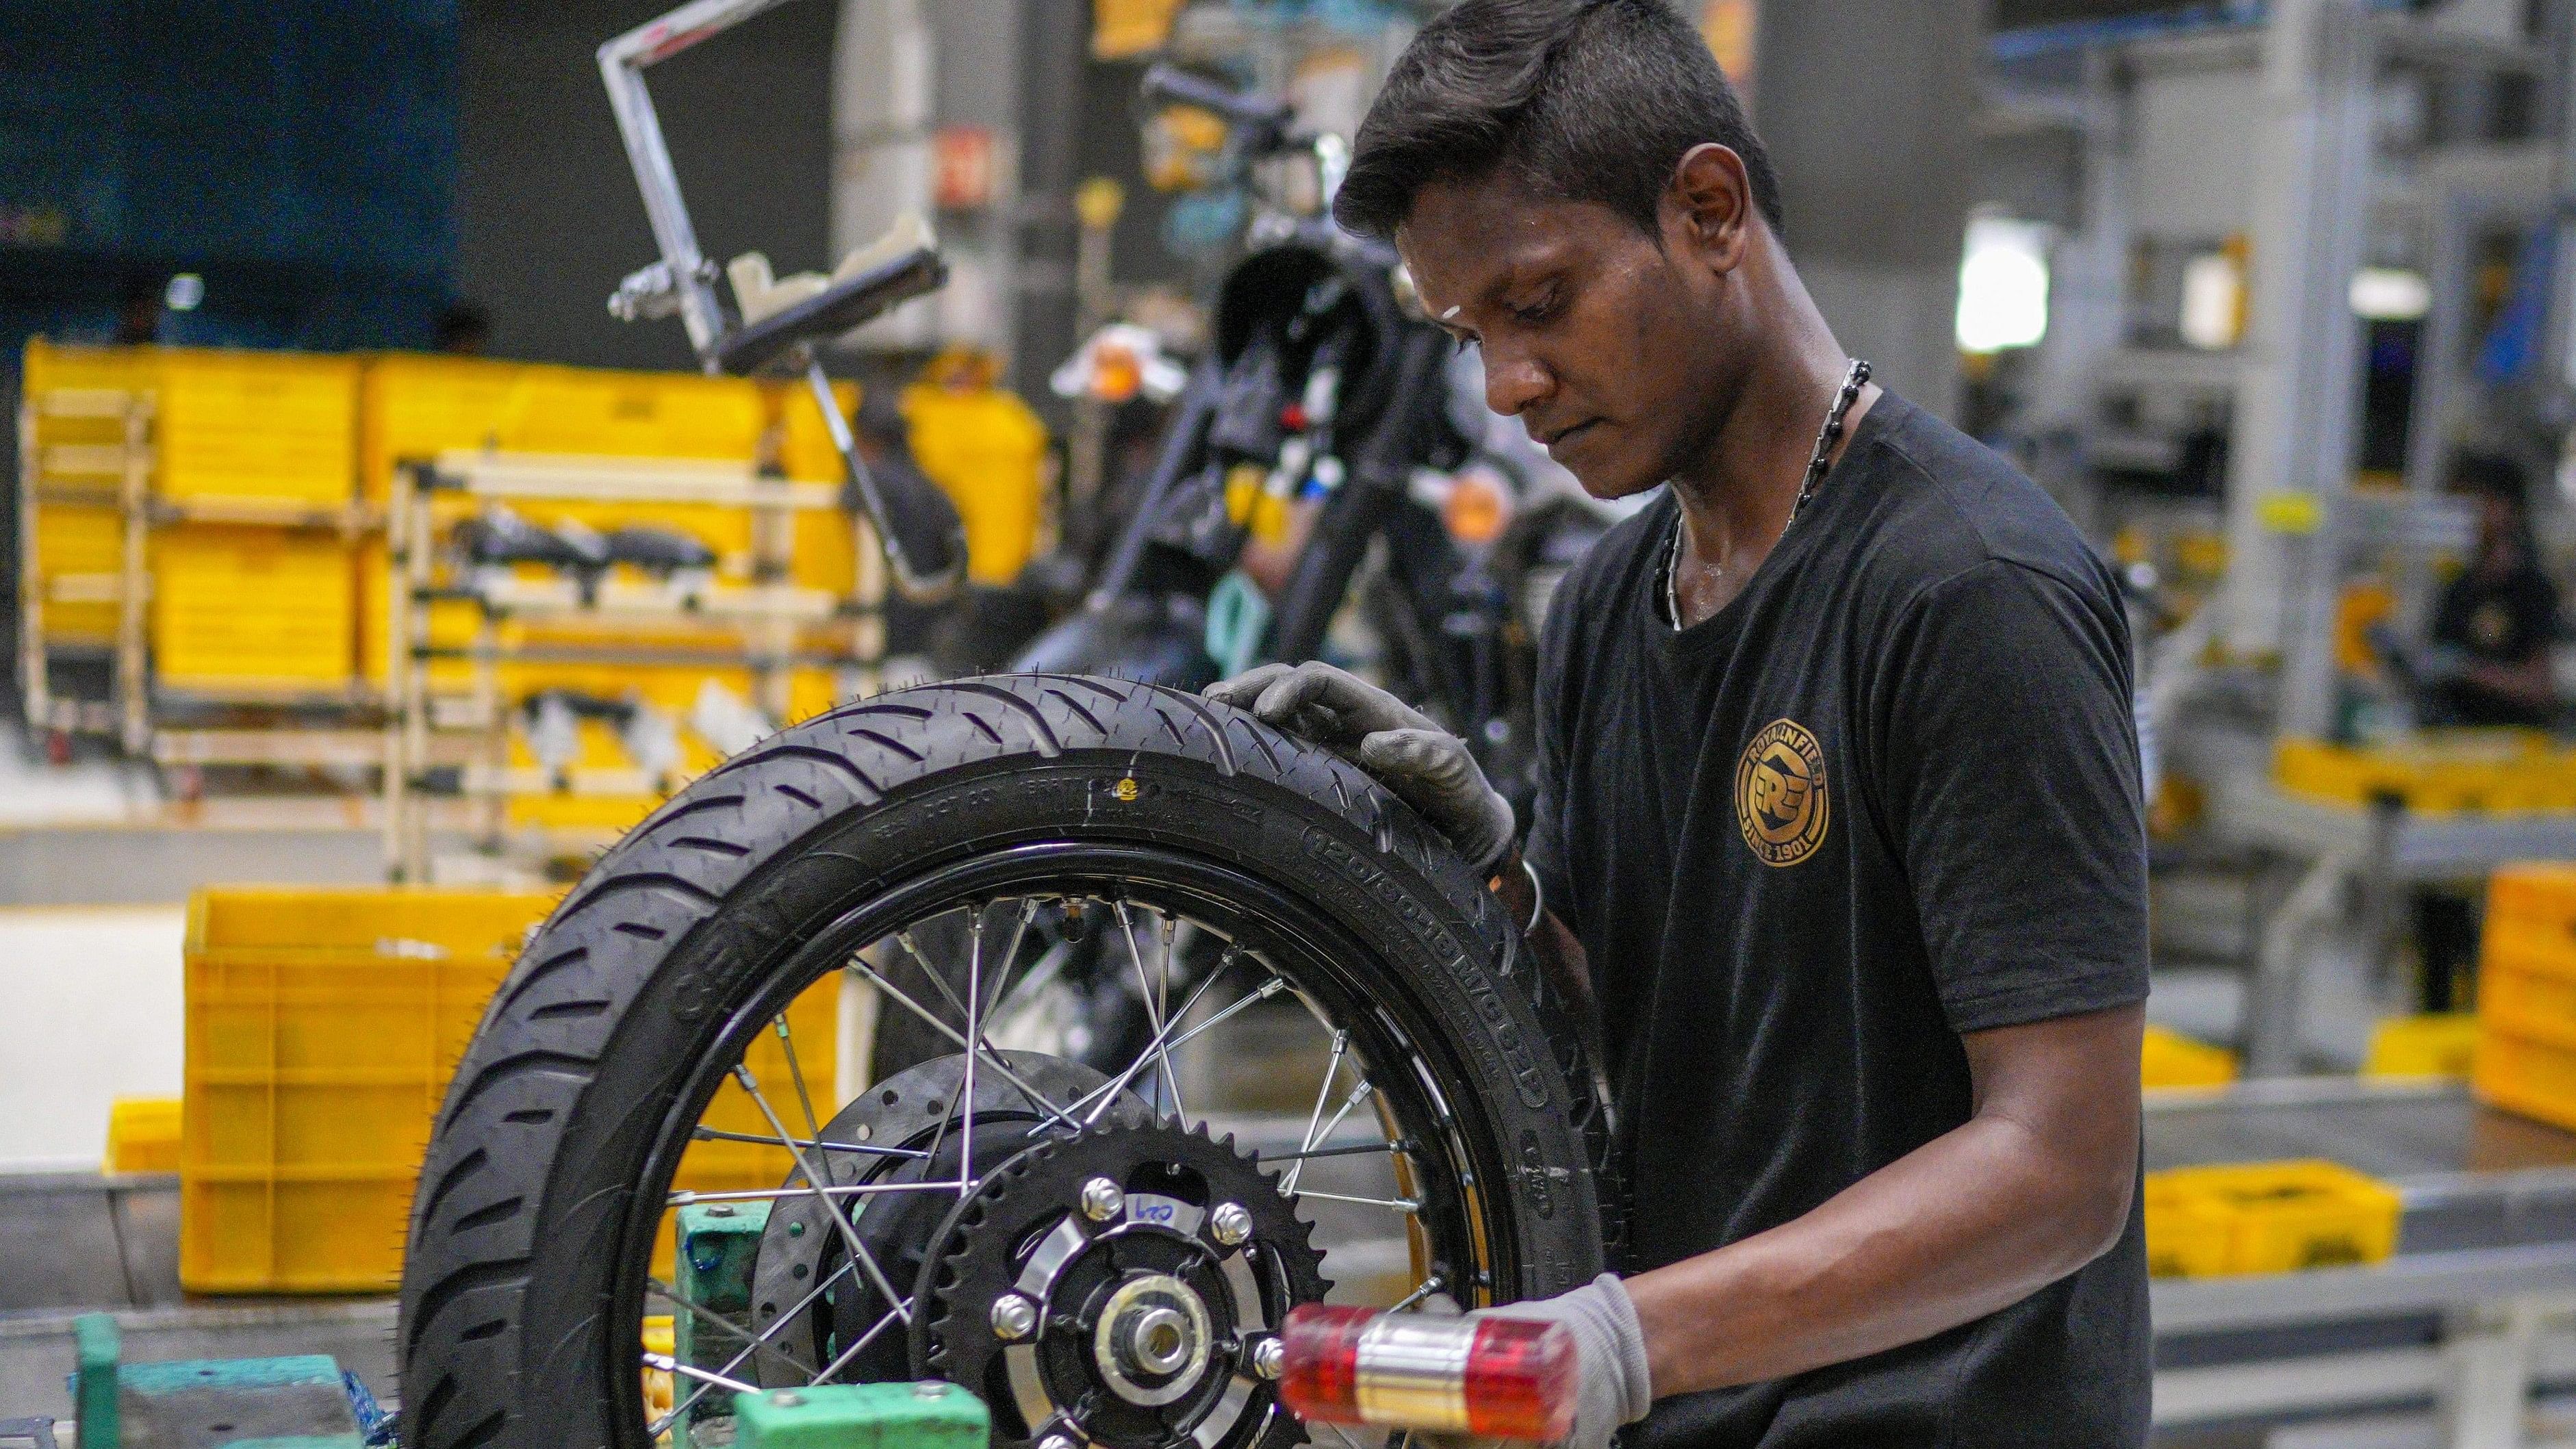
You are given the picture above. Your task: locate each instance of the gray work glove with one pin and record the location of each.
(1406, 750)
(1610, 1345)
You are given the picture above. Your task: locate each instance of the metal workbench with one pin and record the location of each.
(2372, 853)
(2477, 1309)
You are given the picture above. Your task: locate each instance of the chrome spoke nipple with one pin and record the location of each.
(1230, 1224)
(1268, 1356)
(1101, 1200)
(1014, 1318)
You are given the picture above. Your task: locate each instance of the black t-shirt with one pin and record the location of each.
(2496, 620)
(1887, 796)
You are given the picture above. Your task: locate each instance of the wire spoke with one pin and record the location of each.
(1400, 1144)
(974, 1033)
(1011, 956)
(1153, 1004)
(1430, 1285)
(1100, 1097)
(665, 1291)
(670, 1365)
(758, 1339)
(1400, 1204)
(1035, 1096)
(1358, 1095)
(815, 1183)
(718, 1134)
(796, 1074)
(903, 1309)
(779, 1194)
(1323, 1094)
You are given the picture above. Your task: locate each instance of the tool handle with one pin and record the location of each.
(1496, 1378)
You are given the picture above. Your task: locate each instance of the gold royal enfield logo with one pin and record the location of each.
(1780, 793)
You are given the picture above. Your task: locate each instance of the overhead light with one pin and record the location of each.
(2390, 294)
(2213, 302)
(185, 291)
(2003, 285)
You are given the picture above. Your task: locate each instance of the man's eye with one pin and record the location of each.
(1538, 311)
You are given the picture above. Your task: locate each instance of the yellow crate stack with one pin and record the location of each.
(2438, 772)
(233, 435)
(322, 1028)
(245, 608)
(2525, 1060)
(415, 406)
(2266, 1217)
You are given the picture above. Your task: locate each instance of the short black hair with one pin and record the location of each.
(1579, 100)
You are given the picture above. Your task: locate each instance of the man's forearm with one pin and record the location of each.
(1967, 1224)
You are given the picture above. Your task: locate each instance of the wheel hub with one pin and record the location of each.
(1116, 1289)
(1153, 1338)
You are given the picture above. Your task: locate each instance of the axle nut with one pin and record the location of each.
(1101, 1200)
(1014, 1318)
(1268, 1357)
(1230, 1224)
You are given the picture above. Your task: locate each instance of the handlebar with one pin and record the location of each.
(835, 310)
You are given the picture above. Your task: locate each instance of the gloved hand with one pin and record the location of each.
(1610, 1346)
(1406, 750)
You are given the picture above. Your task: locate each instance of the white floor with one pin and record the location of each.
(92, 1013)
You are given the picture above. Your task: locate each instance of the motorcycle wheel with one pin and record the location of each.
(1455, 1127)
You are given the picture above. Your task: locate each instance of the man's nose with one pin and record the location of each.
(1514, 381)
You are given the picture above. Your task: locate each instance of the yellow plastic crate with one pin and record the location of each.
(2542, 894)
(414, 405)
(2437, 772)
(322, 1029)
(2267, 1217)
(249, 607)
(143, 1134)
(2183, 1239)
(267, 425)
(2437, 1045)
(986, 450)
(2170, 1059)
(227, 423)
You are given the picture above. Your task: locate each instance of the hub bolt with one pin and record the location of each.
(1269, 1355)
(1101, 1200)
(1230, 1224)
(1014, 1318)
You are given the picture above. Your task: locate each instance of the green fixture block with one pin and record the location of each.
(929, 1415)
(94, 1386)
(275, 1403)
(718, 1243)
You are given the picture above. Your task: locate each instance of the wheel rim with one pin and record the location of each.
(1384, 1104)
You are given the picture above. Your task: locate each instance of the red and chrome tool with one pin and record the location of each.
(1498, 1378)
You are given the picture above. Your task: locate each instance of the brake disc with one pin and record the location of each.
(1121, 1288)
(902, 1130)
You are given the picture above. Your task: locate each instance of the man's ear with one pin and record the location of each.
(1708, 207)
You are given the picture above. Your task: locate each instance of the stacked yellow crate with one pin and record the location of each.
(415, 407)
(2526, 1049)
(322, 1027)
(2436, 772)
(235, 606)
(2266, 1217)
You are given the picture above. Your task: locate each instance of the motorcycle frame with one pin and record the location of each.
(688, 277)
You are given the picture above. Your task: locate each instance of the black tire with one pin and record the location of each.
(517, 1323)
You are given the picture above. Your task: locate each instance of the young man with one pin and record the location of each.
(1839, 818)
